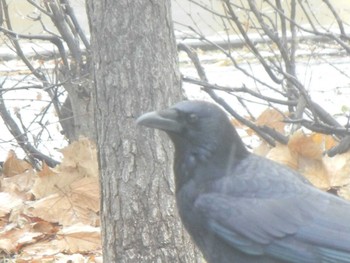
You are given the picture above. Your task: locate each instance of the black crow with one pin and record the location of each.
(240, 207)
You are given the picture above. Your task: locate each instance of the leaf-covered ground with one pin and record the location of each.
(53, 215)
(305, 152)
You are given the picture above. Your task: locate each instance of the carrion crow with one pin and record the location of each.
(239, 207)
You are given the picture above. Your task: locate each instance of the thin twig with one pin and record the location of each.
(22, 139)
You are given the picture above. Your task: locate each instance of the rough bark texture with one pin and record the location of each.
(136, 71)
(77, 113)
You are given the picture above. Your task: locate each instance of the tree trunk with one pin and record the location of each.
(77, 113)
(135, 69)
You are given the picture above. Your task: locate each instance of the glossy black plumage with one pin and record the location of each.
(239, 207)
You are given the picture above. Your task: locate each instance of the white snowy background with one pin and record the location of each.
(326, 76)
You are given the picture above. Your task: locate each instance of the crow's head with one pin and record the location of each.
(203, 136)
(196, 126)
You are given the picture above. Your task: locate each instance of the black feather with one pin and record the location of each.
(239, 207)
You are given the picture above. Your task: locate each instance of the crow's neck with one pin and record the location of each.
(216, 155)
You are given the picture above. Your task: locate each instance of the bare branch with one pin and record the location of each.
(193, 56)
(43, 10)
(59, 19)
(339, 21)
(243, 89)
(22, 138)
(250, 43)
(53, 39)
(77, 27)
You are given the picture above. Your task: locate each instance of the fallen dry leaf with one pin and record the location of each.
(76, 258)
(67, 194)
(80, 160)
(77, 238)
(81, 155)
(338, 169)
(78, 203)
(86, 193)
(7, 246)
(12, 237)
(345, 192)
(19, 184)
(45, 227)
(41, 250)
(315, 172)
(28, 237)
(282, 154)
(273, 119)
(58, 182)
(13, 166)
(305, 145)
(263, 149)
(8, 202)
(46, 171)
(80, 238)
(326, 141)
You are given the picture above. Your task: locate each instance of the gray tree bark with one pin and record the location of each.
(77, 113)
(135, 68)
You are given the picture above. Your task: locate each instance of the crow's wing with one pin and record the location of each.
(294, 229)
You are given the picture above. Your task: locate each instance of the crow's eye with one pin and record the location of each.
(192, 118)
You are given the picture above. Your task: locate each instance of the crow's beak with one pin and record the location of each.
(166, 120)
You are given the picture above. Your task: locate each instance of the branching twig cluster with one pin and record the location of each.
(66, 67)
(281, 32)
